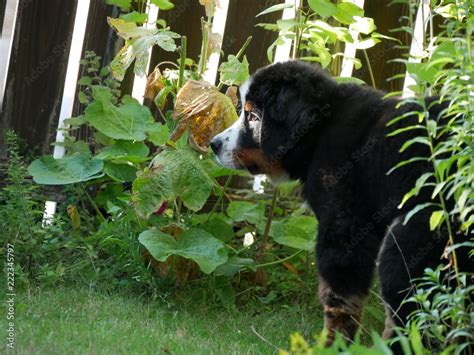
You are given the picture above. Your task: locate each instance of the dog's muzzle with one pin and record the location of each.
(216, 145)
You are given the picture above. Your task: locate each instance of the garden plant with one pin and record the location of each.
(144, 207)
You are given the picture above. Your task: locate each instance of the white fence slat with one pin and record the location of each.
(417, 43)
(6, 41)
(70, 84)
(139, 82)
(218, 27)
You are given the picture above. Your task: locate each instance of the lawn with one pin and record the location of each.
(77, 321)
(66, 321)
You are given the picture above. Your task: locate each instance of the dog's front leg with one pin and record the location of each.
(341, 313)
(346, 253)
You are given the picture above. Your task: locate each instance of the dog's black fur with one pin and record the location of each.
(334, 138)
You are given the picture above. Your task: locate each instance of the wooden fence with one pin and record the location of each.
(42, 41)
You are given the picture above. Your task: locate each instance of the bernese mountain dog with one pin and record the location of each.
(299, 123)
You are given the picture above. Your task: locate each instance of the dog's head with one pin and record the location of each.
(281, 105)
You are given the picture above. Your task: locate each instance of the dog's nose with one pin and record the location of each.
(216, 145)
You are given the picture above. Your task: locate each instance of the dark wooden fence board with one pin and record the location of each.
(37, 70)
(184, 19)
(241, 23)
(101, 39)
(3, 6)
(386, 17)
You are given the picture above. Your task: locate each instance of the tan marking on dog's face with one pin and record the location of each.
(238, 151)
(258, 163)
(248, 106)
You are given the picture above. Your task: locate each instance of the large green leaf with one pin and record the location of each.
(346, 11)
(233, 72)
(234, 265)
(134, 152)
(245, 211)
(323, 8)
(195, 244)
(129, 121)
(69, 170)
(174, 173)
(135, 16)
(422, 71)
(159, 135)
(138, 42)
(150, 190)
(296, 232)
(215, 170)
(120, 172)
(163, 4)
(307, 223)
(219, 228)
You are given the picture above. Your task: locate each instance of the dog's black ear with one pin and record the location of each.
(287, 118)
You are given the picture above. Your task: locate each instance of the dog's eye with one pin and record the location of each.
(253, 116)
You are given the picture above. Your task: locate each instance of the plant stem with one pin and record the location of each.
(244, 47)
(177, 205)
(182, 61)
(221, 196)
(438, 178)
(94, 205)
(298, 32)
(205, 39)
(369, 66)
(300, 37)
(268, 225)
(279, 261)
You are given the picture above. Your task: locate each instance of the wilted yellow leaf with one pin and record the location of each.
(154, 84)
(74, 215)
(231, 93)
(214, 43)
(210, 6)
(204, 110)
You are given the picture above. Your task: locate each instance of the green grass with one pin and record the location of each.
(76, 321)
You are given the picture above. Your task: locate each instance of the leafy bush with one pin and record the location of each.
(299, 346)
(321, 29)
(444, 315)
(161, 205)
(443, 320)
(21, 216)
